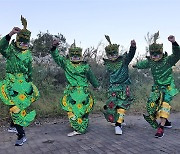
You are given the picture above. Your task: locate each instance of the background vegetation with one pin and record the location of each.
(50, 80)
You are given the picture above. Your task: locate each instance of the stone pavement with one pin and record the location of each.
(137, 138)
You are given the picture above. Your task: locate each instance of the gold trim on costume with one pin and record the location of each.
(121, 111)
(70, 115)
(64, 100)
(121, 115)
(14, 109)
(164, 112)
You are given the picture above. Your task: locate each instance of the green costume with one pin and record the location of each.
(163, 90)
(119, 99)
(17, 90)
(77, 99)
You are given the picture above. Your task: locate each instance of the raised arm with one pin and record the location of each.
(4, 42)
(175, 56)
(131, 53)
(60, 60)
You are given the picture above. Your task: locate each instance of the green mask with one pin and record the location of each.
(23, 37)
(75, 53)
(111, 49)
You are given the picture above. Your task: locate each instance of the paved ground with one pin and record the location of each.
(138, 137)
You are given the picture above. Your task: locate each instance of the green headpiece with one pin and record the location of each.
(111, 47)
(73, 50)
(24, 35)
(155, 47)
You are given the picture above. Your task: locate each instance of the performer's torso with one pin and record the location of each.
(18, 61)
(76, 73)
(161, 71)
(118, 71)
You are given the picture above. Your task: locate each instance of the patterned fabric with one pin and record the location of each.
(77, 100)
(17, 90)
(118, 97)
(158, 104)
(163, 90)
(17, 61)
(164, 110)
(119, 91)
(121, 113)
(162, 69)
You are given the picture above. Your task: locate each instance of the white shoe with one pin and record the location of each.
(73, 134)
(21, 141)
(12, 130)
(118, 130)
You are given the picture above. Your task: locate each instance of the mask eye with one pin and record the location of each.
(155, 53)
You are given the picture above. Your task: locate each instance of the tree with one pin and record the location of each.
(91, 54)
(42, 44)
(151, 39)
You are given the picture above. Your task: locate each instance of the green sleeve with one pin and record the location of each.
(60, 60)
(142, 64)
(130, 55)
(92, 79)
(174, 58)
(3, 46)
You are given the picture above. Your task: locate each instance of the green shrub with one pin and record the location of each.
(51, 84)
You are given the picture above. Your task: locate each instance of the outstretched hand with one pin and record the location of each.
(15, 30)
(171, 38)
(133, 43)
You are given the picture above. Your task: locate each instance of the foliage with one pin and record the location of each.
(50, 80)
(42, 44)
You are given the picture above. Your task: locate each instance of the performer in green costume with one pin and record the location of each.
(17, 90)
(163, 90)
(119, 99)
(77, 99)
